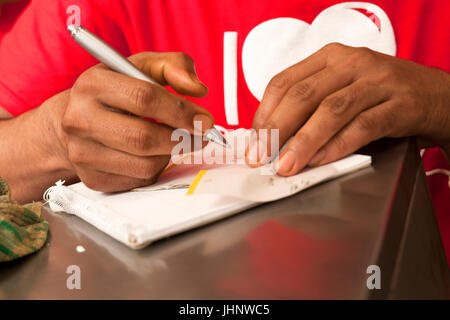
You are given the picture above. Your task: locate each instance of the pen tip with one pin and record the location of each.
(215, 136)
(71, 28)
(223, 143)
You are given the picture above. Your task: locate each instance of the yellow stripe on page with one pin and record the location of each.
(196, 181)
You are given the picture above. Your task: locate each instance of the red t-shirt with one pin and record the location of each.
(237, 45)
(9, 14)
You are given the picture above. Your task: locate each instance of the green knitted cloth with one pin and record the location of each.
(22, 231)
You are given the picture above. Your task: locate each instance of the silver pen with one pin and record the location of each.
(115, 61)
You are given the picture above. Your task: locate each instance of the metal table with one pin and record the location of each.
(314, 245)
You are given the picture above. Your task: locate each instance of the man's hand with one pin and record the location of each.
(109, 143)
(342, 98)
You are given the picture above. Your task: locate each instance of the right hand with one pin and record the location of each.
(116, 151)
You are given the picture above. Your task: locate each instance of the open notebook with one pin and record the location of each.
(187, 196)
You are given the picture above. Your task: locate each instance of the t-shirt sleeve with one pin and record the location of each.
(38, 57)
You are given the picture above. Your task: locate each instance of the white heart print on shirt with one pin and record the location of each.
(277, 44)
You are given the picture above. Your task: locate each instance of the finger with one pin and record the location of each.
(108, 182)
(175, 69)
(125, 133)
(333, 114)
(301, 100)
(133, 135)
(95, 156)
(147, 100)
(372, 124)
(263, 146)
(281, 83)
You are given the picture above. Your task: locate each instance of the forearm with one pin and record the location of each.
(438, 129)
(32, 156)
(444, 144)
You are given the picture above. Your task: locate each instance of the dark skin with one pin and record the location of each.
(341, 98)
(96, 131)
(337, 100)
(134, 151)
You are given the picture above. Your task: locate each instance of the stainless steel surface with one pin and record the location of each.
(317, 244)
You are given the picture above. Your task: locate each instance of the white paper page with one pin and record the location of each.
(151, 215)
(141, 216)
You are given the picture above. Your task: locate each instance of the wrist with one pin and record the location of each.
(51, 112)
(438, 119)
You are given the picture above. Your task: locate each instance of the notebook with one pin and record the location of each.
(189, 195)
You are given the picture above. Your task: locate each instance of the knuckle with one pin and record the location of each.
(67, 121)
(336, 53)
(333, 47)
(279, 83)
(76, 154)
(337, 104)
(183, 57)
(384, 73)
(301, 91)
(362, 55)
(383, 76)
(80, 84)
(366, 123)
(394, 76)
(71, 120)
(139, 139)
(75, 119)
(141, 97)
(340, 145)
(86, 81)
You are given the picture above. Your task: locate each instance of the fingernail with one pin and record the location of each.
(318, 157)
(257, 153)
(253, 154)
(195, 78)
(203, 121)
(287, 161)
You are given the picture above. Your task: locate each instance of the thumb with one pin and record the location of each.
(175, 69)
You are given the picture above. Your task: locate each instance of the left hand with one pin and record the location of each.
(342, 98)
